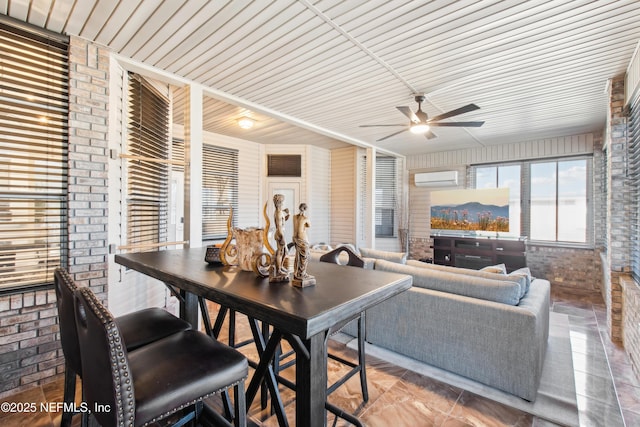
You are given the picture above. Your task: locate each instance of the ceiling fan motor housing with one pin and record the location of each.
(421, 115)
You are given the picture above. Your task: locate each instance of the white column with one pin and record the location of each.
(193, 136)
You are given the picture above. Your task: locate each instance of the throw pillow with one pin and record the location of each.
(499, 268)
(526, 273)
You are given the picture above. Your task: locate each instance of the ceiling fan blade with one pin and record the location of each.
(457, 124)
(370, 126)
(461, 110)
(430, 135)
(410, 114)
(393, 134)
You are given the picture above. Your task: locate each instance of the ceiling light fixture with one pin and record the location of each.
(419, 128)
(245, 123)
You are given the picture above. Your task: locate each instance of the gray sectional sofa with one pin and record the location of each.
(490, 327)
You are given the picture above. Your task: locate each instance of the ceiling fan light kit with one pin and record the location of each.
(245, 123)
(420, 123)
(419, 128)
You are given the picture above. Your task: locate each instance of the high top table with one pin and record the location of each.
(301, 315)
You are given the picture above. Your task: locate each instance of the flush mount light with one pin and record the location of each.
(419, 128)
(245, 123)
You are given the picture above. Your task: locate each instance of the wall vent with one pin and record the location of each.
(288, 165)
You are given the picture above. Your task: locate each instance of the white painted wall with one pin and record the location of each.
(318, 161)
(344, 187)
(535, 149)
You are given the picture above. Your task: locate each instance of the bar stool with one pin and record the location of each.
(138, 329)
(141, 387)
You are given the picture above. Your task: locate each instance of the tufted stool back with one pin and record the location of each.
(106, 377)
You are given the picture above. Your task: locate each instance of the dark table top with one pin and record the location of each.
(339, 293)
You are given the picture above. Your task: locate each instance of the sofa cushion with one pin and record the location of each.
(502, 291)
(519, 277)
(397, 257)
(525, 274)
(499, 269)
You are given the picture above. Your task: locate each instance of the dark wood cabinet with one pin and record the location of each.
(478, 252)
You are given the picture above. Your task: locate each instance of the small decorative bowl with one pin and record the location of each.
(213, 255)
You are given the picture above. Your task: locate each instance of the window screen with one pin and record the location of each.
(33, 157)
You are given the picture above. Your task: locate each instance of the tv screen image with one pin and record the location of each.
(470, 210)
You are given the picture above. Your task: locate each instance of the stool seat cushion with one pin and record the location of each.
(148, 325)
(180, 369)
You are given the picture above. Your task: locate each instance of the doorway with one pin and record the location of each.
(291, 193)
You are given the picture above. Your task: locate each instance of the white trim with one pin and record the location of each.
(220, 95)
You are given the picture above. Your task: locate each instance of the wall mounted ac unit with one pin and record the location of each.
(436, 179)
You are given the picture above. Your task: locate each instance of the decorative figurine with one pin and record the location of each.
(301, 278)
(278, 272)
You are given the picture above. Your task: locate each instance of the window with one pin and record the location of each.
(557, 207)
(559, 201)
(504, 176)
(386, 194)
(148, 168)
(33, 157)
(219, 190)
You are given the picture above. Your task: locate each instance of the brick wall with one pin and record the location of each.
(569, 267)
(574, 268)
(622, 293)
(30, 350)
(617, 208)
(88, 157)
(29, 340)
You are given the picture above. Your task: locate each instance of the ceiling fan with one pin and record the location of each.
(420, 123)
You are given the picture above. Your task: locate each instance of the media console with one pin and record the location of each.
(478, 251)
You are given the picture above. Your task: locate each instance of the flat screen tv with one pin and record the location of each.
(470, 210)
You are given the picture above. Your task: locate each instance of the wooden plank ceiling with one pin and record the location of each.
(313, 71)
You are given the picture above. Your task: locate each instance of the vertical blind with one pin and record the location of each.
(386, 194)
(148, 174)
(634, 178)
(219, 190)
(33, 157)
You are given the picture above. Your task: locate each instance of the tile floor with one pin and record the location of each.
(398, 397)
